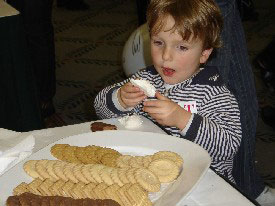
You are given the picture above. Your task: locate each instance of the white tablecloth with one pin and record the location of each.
(211, 191)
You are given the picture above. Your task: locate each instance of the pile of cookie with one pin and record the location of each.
(100, 173)
(129, 194)
(90, 154)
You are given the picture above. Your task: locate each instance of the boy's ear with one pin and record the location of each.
(205, 55)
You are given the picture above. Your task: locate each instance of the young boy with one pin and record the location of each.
(191, 102)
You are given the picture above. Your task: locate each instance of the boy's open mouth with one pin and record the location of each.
(168, 71)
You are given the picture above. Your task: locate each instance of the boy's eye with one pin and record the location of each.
(158, 43)
(182, 48)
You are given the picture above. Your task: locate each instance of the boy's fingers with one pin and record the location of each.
(160, 96)
(151, 110)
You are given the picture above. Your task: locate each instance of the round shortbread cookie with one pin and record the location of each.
(110, 159)
(68, 172)
(166, 170)
(105, 175)
(86, 171)
(35, 185)
(78, 190)
(69, 154)
(95, 171)
(77, 171)
(57, 150)
(80, 154)
(122, 176)
(146, 160)
(115, 177)
(90, 152)
(139, 195)
(130, 174)
(50, 170)
(101, 152)
(169, 155)
(147, 180)
(136, 162)
(40, 167)
(21, 188)
(58, 170)
(29, 168)
(123, 161)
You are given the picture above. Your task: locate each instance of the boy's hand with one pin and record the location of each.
(167, 112)
(130, 96)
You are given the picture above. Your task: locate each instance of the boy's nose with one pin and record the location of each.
(166, 55)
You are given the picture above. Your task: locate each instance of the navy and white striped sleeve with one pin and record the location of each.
(104, 105)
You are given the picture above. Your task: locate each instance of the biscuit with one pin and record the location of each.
(68, 172)
(69, 154)
(100, 190)
(86, 171)
(58, 168)
(124, 161)
(111, 193)
(50, 170)
(67, 189)
(122, 176)
(121, 192)
(34, 186)
(105, 175)
(89, 190)
(102, 151)
(55, 189)
(57, 150)
(147, 180)
(90, 152)
(110, 159)
(130, 174)
(40, 167)
(95, 171)
(139, 196)
(115, 177)
(44, 186)
(169, 155)
(21, 188)
(77, 172)
(80, 154)
(30, 168)
(166, 170)
(77, 191)
(136, 162)
(146, 160)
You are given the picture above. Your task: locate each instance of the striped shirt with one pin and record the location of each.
(216, 125)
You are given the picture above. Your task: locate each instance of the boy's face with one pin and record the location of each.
(174, 59)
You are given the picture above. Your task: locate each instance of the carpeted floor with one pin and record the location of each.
(89, 48)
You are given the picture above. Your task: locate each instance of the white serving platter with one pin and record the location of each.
(196, 160)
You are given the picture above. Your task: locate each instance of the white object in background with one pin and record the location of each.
(145, 86)
(131, 122)
(11, 154)
(136, 52)
(7, 10)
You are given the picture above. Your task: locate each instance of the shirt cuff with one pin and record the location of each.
(116, 102)
(184, 131)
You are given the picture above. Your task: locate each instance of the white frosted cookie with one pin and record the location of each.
(145, 86)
